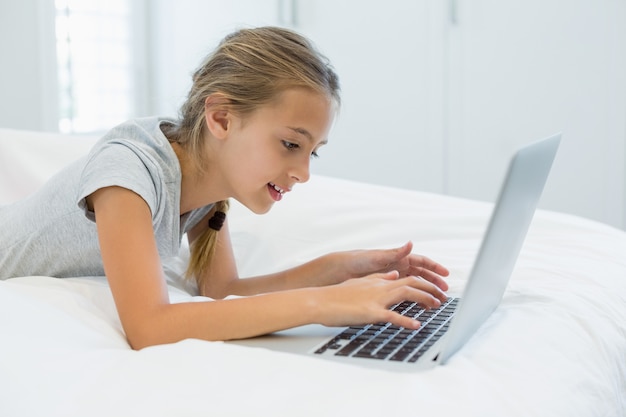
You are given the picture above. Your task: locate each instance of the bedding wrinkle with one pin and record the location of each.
(581, 329)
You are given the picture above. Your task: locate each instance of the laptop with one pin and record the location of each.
(447, 329)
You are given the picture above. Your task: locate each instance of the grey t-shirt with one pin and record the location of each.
(52, 232)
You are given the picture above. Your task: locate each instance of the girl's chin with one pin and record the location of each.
(262, 210)
(257, 208)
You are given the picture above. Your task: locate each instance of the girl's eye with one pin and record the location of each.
(290, 145)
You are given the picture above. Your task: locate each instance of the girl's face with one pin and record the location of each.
(263, 155)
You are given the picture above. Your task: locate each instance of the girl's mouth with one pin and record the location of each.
(275, 191)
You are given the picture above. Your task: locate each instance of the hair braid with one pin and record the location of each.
(203, 248)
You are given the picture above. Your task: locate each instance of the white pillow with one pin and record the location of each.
(28, 159)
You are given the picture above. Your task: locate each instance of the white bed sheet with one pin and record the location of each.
(555, 347)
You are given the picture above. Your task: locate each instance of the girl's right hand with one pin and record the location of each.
(367, 300)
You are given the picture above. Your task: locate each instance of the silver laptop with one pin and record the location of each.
(445, 330)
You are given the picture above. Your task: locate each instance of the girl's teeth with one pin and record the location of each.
(277, 189)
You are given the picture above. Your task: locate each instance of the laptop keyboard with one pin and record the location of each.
(384, 341)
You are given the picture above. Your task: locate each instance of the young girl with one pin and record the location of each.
(260, 107)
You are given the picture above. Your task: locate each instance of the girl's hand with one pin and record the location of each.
(354, 264)
(367, 300)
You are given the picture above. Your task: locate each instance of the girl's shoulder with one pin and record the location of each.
(144, 139)
(143, 133)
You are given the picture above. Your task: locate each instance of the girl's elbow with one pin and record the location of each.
(148, 332)
(139, 340)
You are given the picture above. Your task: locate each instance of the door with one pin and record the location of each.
(521, 70)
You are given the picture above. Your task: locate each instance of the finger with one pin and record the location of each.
(391, 275)
(419, 261)
(421, 291)
(399, 320)
(430, 276)
(387, 257)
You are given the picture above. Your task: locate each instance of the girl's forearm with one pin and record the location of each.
(226, 319)
(355, 301)
(319, 272)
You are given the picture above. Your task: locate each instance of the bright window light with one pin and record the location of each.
(95, 64)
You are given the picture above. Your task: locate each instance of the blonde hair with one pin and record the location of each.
(249, 69)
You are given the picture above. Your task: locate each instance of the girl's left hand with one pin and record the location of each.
(354, 264)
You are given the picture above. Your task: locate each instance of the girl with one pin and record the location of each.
(260, 107)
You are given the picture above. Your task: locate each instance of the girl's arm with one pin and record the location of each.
(134, 272)
(223, 280)
(133, 269)
(330, 269)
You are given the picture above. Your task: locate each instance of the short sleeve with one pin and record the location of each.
(117, 165)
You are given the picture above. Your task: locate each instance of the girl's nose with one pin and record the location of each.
(301, 173)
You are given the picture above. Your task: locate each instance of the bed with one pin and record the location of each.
(556, 346)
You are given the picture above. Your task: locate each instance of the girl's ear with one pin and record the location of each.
(217, 116)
